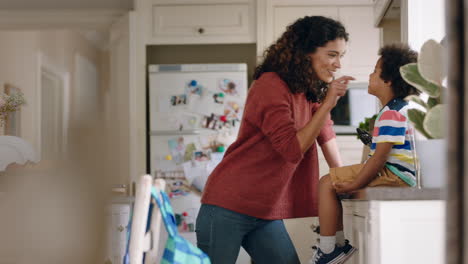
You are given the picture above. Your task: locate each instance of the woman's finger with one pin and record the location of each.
(345, 78)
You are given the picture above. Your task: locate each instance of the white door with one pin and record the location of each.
(118, 101)
(51, 115)
(53, 111)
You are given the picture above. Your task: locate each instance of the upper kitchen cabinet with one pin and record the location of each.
(199, 21)
(273, 16)
(380, 8)
(411, 21)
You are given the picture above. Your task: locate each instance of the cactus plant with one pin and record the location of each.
(426, 75)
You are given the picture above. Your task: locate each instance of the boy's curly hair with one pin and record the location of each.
(289, 55)
(392, 57)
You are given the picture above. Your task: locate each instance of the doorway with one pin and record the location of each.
(54, 105)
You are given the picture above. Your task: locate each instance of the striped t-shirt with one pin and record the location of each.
(392, 126)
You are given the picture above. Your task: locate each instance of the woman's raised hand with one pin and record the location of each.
(336, 89)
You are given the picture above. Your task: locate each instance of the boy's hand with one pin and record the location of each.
(345, 187)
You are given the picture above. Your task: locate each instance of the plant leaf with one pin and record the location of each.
(417, 100)
(430, 62)
(431, 102)
(411, 75)
(433, 123)
(417, 117)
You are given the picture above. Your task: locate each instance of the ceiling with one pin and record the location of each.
(90, 18)
(66, 4)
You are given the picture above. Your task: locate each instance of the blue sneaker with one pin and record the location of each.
(335, 257)
(348, 250)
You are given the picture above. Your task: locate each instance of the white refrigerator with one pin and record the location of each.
(194, 114)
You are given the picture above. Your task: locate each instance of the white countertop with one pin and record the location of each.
(397, 193)
(345, 130)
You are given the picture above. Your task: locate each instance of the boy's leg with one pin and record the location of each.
(339, 223)
(328, 207)
(343, 174)
(340, 238)
(328, 215)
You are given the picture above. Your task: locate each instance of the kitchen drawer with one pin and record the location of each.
(118, 216)
(202, 23)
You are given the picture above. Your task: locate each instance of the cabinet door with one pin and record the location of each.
(286, 15)
(118, 217)
(363, 44)
(348, 216)
(360, 239)
(277, 18)
(202, 23)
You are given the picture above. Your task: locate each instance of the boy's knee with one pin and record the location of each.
(325, 181)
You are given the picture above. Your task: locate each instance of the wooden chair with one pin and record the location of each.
(140, 240)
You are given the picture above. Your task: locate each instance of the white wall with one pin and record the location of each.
(422, 20)
(52, 212)
(18, 67)
(66, 4)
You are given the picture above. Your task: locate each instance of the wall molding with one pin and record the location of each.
(58, 19)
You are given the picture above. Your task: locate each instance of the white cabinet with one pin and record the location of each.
(199, 22)
(401, 232)
(274, 16)
(303, 236)
(359, 234)
(380, 7)
(118, 216)
(356, 229)
(285, 15)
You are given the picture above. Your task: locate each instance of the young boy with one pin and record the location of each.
(391, 159)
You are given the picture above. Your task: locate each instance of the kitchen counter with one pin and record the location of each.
(344, 130)
(396, 194)
(386, 222)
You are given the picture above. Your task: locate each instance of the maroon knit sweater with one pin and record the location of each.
(263, 173)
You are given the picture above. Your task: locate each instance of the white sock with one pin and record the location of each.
(340, 239)
(327, 244)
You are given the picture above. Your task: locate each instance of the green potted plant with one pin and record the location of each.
(10, 104)
(367, 125)
(427, 76)
(13, 149)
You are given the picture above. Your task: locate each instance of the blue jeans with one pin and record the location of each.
(221, 233)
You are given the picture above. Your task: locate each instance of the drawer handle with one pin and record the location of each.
(359, 216)
(201, 30)
(120, 228)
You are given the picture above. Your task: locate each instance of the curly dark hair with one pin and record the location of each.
(392, 57)
(288, 56)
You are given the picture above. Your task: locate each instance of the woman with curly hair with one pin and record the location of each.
(271, 171)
